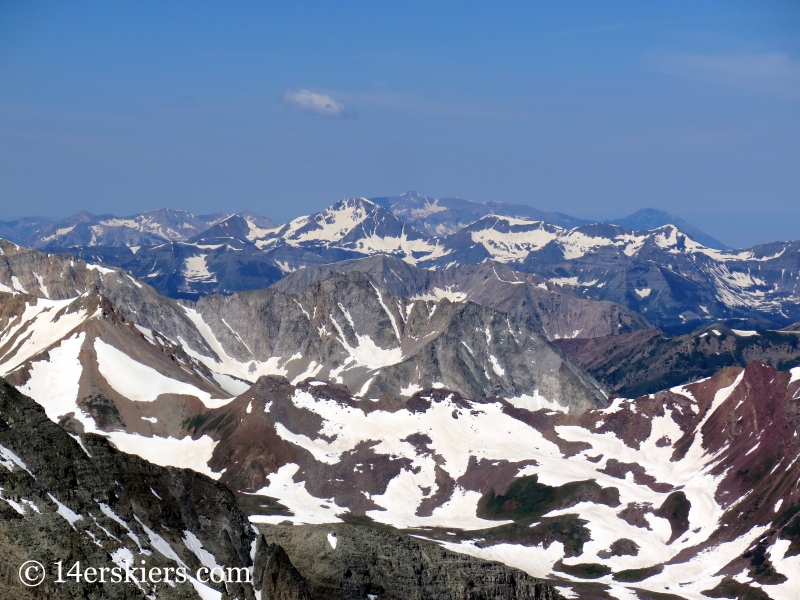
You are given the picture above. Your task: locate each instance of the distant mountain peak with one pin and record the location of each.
(143, 229)
(652, 218)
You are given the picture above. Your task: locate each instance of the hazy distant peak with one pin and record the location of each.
(652, 218)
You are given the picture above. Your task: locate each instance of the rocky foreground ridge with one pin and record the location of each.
(75, 498)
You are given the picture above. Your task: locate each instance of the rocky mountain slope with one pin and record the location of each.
(17, 231)
(75, 498)
(687, 493)
(679, 493)
(644, 362)
(353, 226)
(553, 310)
(68, 497)
(144, 229)
(238, 254)
(445, 216)
(650, 218)
(371, 398)
(346, 329)
(100, 375)
(355, 561)
(190, 270)
(677, 283)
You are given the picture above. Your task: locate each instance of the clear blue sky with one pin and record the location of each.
(594, 109)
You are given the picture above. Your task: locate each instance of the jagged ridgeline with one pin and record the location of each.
(363, 403)
(652, 263)
(346, 329)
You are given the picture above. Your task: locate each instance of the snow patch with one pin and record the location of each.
(141, 383)
(65, 511)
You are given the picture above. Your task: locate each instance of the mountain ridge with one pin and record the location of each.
(333, 398)
(675, 282)
(651, 218)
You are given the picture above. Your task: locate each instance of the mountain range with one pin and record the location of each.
(403, 397)
(433, 216)
(674, 282)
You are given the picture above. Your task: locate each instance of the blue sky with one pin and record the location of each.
(594, 109)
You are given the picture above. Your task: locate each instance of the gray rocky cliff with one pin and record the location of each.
(553, 310)
(78, 499)
(275, 576)
(349, 330)
(387, 565)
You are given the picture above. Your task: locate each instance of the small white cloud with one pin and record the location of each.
(316, 104)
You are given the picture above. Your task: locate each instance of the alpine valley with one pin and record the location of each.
(403, 397)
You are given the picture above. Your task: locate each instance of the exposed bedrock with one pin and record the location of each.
(352, 562)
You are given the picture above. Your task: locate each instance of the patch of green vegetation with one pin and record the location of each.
(792, 532)
(785, 515)
(526, 499)
(254, 504)
(761, 569)
(567, 529)
(220, 422)
(730, 588)
(583, 570)
(633, 575)
(676, 510)
(104, 411)
(365, 521)
(196, 421)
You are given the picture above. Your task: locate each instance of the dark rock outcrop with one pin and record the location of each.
(75, 499)
(275, 576)
(644, 362)
(382, 563)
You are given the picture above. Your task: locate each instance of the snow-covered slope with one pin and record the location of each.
(144, 229)
(354, 224)
(681, 492)
(674, 281)
(346, 328)
(94, 372)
